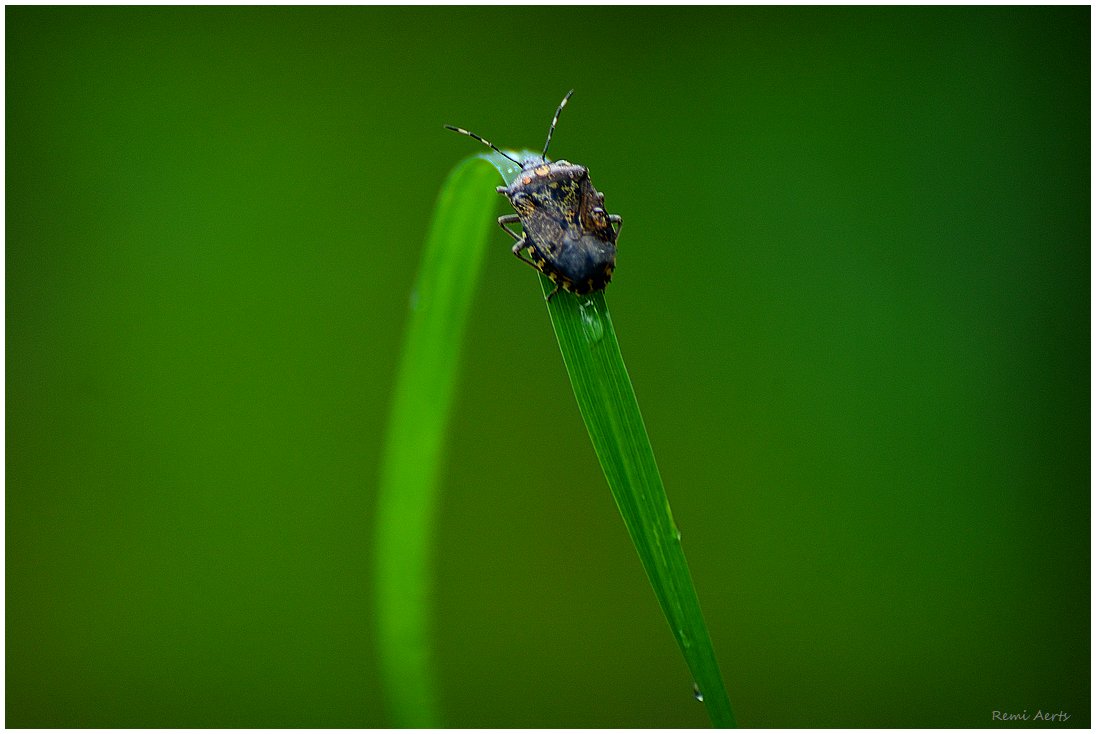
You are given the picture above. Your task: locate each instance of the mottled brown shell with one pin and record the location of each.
(568, 233)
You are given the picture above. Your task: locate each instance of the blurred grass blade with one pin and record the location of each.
(422, 398)
(420, 415)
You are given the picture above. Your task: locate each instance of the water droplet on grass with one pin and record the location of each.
(591, 322)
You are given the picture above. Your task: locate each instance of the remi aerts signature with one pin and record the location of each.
(1039, 715)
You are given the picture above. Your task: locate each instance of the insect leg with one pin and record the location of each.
(510, 219)
(615, 219)
(518, 249)
(521, 245)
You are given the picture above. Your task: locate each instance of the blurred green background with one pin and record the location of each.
(852, 292)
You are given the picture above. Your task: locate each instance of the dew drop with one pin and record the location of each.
(591, 322)
(697, 694)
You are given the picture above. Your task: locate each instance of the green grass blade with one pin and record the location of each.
(410, 466)
(607, 402)
(608, 405)
(417, 425)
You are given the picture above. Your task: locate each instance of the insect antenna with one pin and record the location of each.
(488, 143)
(555, 119)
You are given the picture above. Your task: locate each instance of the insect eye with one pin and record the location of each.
(599, 217)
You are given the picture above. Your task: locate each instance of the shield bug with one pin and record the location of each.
(566, 233)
